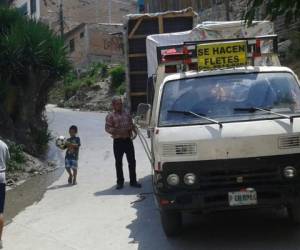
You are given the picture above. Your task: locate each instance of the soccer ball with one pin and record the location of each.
(60, 142)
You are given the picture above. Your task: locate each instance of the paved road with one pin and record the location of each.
(93, 215)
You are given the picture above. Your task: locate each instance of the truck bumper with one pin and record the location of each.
(217, 200)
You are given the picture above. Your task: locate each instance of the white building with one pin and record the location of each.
(29, 7)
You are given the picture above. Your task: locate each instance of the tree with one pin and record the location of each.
(32, 59)
(6, 2)
(290, 9)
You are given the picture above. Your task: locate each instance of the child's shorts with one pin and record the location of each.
(2, 197)
(71, 163)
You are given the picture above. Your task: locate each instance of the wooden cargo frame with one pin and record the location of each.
(136, 58)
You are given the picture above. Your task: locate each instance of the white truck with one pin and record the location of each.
(224, 127)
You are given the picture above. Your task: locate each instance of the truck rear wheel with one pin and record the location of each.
(294, 213)
(171, 222)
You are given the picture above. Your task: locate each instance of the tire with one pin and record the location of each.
(171, 222)
(294, 212)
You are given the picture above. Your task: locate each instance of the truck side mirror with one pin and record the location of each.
(143, 115)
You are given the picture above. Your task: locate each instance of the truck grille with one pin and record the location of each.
(186, 149)
(289, 142)
(234, 173)
(232, 177)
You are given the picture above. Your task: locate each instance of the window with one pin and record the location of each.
(82, 34)
(32, 7)
(72, 45)
(229, 98)
(218, 1)
(23, 9)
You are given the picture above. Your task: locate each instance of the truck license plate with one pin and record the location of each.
(242, 198)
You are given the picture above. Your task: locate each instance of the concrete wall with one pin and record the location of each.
(104, 43)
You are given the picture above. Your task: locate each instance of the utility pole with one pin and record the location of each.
(61, 19)
(227, 10)
(109, 11)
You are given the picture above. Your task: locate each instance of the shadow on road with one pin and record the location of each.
(127, 190)
(60, 186)
(252, 229)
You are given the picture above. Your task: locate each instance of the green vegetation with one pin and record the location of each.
(72, 83)
(96, 72)
(117, 76)
(32, 59)
(290, 9)
(294, 50)
(17, 157)
(121, 89)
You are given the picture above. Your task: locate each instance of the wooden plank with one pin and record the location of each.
(138, 72)
(137, 55)
(138, 93)
(138, 36)
(160, 25)
(170, 15)
(137, 25)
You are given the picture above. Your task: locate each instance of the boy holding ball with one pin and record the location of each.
(71, 160)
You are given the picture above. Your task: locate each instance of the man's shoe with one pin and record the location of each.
(136, 185)
(119, 186)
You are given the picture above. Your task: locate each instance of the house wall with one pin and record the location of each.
(81, 45)
(104, 43)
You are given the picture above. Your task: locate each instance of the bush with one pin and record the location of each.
(41, 137)
(117, 76)
(17, 157)
(72, 84)
(294, 49)
(121, 89)
(71, 89)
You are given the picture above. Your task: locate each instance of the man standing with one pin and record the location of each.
(119, 125)
(4, 157)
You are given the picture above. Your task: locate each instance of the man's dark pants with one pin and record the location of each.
(2, 197)
(121, 147)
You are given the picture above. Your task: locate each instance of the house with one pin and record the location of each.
(91, 28)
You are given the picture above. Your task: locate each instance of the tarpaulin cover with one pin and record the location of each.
(207, 31)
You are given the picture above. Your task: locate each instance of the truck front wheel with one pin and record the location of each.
(171, 222)
(294, 212)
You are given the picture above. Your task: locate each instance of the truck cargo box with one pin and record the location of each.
(203, 32)
(137, 28)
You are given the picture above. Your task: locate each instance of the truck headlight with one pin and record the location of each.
(173, 179)
(289, 172)
(189, 179)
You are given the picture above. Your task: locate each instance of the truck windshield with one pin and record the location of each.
(229, 97)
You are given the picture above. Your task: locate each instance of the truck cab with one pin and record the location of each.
(223, 137)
